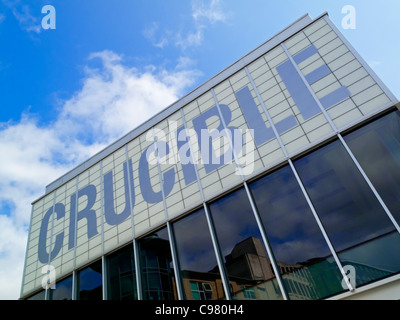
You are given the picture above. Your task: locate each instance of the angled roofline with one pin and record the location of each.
(253, 55)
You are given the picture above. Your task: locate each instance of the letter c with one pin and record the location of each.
(149, 195)
(59, 209)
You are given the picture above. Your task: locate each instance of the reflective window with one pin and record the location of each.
(357, 225)
(121, 284)
(199, 271)
(157, 274)
(377, 149)
(90, 282)
(301, 252)
(41, 295)
(246, 261)
(63, 290)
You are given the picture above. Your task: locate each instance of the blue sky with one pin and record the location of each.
(68, 92)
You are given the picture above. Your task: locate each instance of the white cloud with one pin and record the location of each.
(22, 13)
(191, 39)
(113, 100)
(204, 13)
(212, 13)
(150, 33)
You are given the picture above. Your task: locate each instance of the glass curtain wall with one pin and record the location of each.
(121, 275)
(157, 272)
(306, 264)
(198, 267)
(90, 282)
(376, 147)
(362, 234)
(358, 227)
(63, 290)
(247, 264)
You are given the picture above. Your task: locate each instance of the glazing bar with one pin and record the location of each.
(218, 254)
(321, 227)
(266, 243)
(389, 214)
(175, 262)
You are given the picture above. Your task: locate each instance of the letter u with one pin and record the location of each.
(113, 218)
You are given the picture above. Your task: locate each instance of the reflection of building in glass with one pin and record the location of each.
(157, 275)
(323, 126)
(250, 271)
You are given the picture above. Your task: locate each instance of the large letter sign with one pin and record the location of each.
(59, 209)
(179, 148)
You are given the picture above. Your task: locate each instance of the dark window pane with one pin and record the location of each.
(246, 261)
(41, 295)
(300, 249)
(198, 265)
(121, 275)
(63, 290)
(377, 149)
(90, 282)
(157, 272)
(357, 225)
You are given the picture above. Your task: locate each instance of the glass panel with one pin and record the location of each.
(157, 272)
(245, 257)
(357, 225)
(377, 148)
(41, 295)
(90, 282)
(300, 249)
(198, 265)
(63, 290)
(121, 275)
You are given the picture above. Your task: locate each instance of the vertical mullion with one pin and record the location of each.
(371, 186)
(160, 176)
(74, 285)
(76, 220)
(104, 277)
(75, 281)
(192, 159)
(170, 236)
(104, 273)
(175, 261)
(134, 242)
(328, 118)
(217, 251)
(266, 243)
(138, 269)
(229, 140)
(218, 254)
(249, 195)
(47, 290)
(26, 253)
(321, 227)
(278, 137)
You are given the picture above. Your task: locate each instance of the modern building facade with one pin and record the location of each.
(279, 178)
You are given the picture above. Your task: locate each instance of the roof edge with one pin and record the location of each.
(268, 45)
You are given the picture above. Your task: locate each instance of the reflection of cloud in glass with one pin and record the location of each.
(193, 242)
(377, 148)
(290, 226)
(346, 205)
